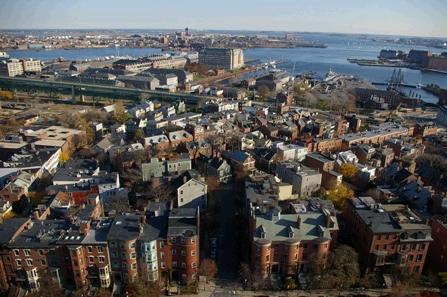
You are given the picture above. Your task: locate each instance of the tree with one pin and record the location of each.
(338, 194)
(142, 288)
(162, 192)
(348, 170)
(64, 156)
(6, 95)
(48, 286)
(208, 268)
(245, 275)
(263, 93)
(342, 270)
(121, 116)
(139, 135)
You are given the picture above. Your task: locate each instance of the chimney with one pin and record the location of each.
(298, 222)
(84, 227)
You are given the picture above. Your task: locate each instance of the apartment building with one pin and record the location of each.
(14, 67)
(438, 248)
(305, 180)
(387, 235)
(179, 252)
(159, 168)
(222, 58)
(288, 244)
(122, 241)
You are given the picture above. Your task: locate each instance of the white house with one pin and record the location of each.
(192, 194)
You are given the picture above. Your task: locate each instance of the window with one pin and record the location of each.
(41, 252)
(29, 262)
(133, 255)
(193, 253)
(19, 262)
(419, 258)
(134, 266)
(27, 252)
(193, 265)
(100, 249)
(89, 249)
(16, 252)
(132, 245)
(43, 262)
(174, 264)
(174, 251)
(91, 259)
(422, 246)
(193, 241)
(173, 239)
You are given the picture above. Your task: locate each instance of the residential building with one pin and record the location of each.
(192, 194)
(288, 244)
(222, 58)
(180, 253)
(387, 236)
(240, 160)
(305, 180)
(438, 248)
(159, 168)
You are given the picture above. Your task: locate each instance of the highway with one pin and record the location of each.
(93, 89)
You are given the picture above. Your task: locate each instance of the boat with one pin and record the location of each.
(331, 75)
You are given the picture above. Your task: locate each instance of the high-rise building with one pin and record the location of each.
(222, 58)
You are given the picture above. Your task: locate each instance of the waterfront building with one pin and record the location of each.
(222, 58)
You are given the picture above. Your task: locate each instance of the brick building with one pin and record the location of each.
(288, 244)
(388, 236)
(438, 248)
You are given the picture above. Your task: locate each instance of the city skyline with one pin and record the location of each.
(408, 18)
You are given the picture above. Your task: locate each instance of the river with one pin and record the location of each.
(295, 60)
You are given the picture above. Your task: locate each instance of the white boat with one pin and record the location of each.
(331, 75)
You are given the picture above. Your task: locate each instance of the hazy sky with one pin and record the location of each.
(405, 17)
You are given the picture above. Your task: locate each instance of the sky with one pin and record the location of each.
(391, 17)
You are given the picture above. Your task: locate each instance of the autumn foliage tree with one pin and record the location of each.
(348, 170)
(338, 194)
(208, 268)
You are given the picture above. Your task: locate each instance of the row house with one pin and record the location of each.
(387, 236)
(289, 244)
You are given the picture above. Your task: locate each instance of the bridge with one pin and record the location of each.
(29, 84)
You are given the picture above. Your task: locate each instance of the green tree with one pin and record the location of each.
(263, 92)
(139, 135)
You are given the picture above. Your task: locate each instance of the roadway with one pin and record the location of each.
(88, 89)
